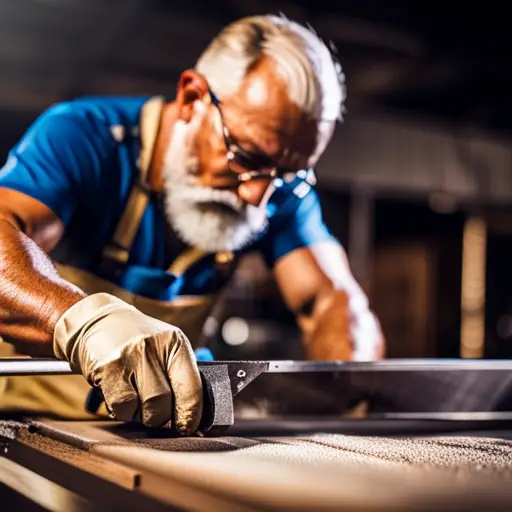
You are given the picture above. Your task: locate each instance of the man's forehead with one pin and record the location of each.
(264, 93)
(261, 114)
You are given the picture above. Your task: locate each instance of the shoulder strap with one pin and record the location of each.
(150, 116)
(118, 250)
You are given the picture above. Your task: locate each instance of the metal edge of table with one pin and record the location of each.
(28, 366)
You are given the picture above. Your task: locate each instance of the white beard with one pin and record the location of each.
(212, 227)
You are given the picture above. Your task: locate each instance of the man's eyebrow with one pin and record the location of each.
(253, 148)
(250, 147)
(258, 153)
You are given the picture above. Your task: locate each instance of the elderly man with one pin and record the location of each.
(122, 218)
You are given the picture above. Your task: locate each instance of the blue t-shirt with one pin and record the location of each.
(79, 158)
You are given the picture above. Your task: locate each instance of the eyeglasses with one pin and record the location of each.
(257, 166)
(254, 163)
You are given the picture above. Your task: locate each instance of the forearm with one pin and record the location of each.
(32, 294)
(341, 326)
(326, 327)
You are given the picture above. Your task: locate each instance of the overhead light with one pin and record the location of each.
(235, 331)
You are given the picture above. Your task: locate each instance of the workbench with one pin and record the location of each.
(448, 449)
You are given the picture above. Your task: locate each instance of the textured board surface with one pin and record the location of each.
(405, 469)
(320, 471)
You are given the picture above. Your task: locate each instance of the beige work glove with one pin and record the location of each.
(145, 368)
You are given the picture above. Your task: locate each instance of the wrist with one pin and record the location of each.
(74, 321)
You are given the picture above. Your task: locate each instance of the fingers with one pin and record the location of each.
(145, 397)
(186, 384)
(155, 393)
(164, 366)
(141, 384)
(121, 399)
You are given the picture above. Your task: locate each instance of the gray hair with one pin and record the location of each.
(314, 78)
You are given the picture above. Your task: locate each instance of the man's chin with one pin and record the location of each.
(212, 226)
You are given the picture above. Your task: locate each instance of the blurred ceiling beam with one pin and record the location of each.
(104, 47)
(417, 77)
(55, 49)
(334, 27)
(253, 7)
(26, 97)
(338, 28)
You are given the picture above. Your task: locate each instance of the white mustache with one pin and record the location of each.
(197, 194)
(208, 229)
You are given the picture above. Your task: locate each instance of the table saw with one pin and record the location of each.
(282, 435)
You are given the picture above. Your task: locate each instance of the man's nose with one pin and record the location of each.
(254, 191)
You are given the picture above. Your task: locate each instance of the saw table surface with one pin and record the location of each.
(422, 435)
(108, 463)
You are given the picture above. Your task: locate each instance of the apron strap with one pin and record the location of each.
(185, 260)
(118, 250)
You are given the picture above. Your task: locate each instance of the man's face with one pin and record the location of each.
(206, 203)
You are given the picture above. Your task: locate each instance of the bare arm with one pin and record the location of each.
(332, 309)
(32, 294)
(109, 342)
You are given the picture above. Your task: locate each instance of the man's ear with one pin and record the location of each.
(192, 87)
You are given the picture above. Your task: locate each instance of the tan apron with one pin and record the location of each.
(65, 395)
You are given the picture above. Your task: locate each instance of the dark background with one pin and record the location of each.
(435, 64)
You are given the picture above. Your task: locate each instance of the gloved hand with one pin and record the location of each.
(145, 368)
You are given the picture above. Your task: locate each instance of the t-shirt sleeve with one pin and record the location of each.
(296, 223)
(57, 160)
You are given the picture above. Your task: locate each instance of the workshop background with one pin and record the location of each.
(417, 183)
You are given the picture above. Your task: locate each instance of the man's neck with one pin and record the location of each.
(155, 177)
